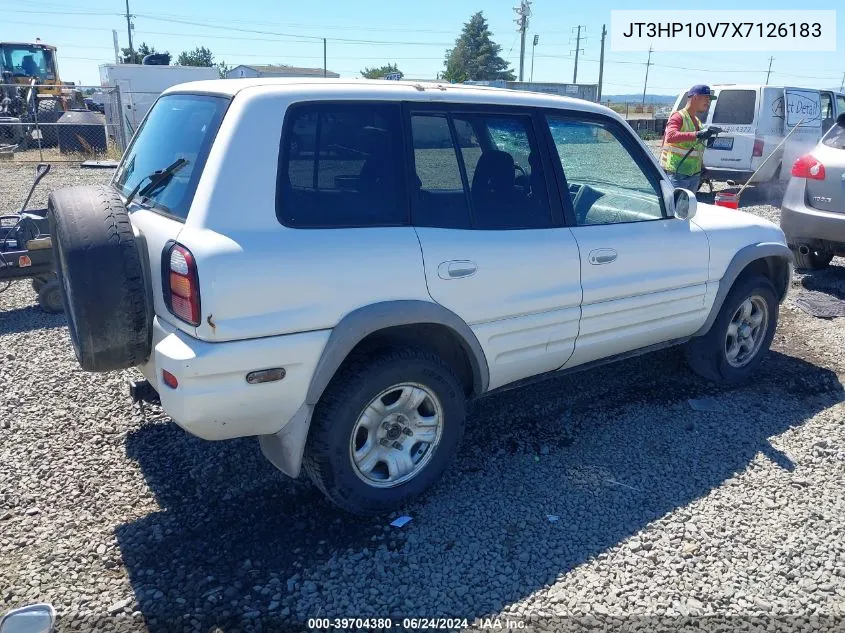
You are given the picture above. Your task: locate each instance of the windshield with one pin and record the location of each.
(28, 61)
(178, 126)
(835, 136)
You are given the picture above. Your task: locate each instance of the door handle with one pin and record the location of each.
(455, 269)
(601, 256)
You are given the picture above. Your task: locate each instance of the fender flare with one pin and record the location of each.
(360, 323)
(740, 261)
(285, 448)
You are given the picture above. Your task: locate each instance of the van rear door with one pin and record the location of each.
(736, 111)
(801, 108)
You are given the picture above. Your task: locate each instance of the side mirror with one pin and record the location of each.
(34, 618)
(685, 206)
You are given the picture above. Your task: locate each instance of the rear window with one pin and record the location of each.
(835, 137)
(735, 107)
(178, 126)
(341, 166)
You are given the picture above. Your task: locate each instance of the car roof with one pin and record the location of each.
(386, 89)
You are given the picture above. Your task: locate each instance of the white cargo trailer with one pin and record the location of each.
(141, 84)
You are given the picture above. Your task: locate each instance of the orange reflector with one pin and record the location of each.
(265, 375)
(24, 261)
(169, 379)
(180, 285)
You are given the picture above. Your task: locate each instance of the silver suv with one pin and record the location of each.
(813, 208)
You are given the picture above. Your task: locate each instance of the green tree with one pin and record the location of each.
(475, 55)
(223, 68)
(200, 56)
(140, 52)
(381, 71)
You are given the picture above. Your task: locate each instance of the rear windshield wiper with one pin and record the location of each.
(158, 177)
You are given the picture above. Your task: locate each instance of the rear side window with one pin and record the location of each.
(341, 166)
(178, 126)
(478, 171)
(835, 137)
(735, 107)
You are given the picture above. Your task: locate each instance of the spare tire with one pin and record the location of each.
(100, 269)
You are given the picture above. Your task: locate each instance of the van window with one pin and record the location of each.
(735, 107)
(342, 166)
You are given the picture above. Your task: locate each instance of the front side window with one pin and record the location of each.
(177, 127)
(735, 107)
(606, 183)
(342, 166)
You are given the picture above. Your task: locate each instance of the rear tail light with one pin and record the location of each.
(758, 147)
(808, 167)
(181, 283)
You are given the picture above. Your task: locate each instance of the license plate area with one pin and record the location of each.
(723, 143)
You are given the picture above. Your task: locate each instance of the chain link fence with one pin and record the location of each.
(82, 123)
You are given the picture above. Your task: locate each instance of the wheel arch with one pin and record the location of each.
(772, 259)
(403, 321)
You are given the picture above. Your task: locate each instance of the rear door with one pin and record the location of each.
(736, 112)
(494, 246)
(802, 112)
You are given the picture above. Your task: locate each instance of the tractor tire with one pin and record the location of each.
(49, 111)
(100, 269)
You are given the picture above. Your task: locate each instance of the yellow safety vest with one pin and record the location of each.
(673, 153)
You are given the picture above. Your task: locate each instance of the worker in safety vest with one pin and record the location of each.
(682, 152)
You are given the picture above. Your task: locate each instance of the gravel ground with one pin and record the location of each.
(124, 522)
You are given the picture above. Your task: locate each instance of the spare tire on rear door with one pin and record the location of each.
(100, 268)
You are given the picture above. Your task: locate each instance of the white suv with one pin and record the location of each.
(337, 266)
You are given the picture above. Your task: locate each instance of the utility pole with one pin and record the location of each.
(771, 59)
(522, 12)
(324, 59)
(577, 50)
(536, 39)
(129, 32)
(116, 48)
(647, 64)
(601, 61)
(842, 85)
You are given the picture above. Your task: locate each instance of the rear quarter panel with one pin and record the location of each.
(259, 278)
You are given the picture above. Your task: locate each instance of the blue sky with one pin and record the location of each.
(413, 34)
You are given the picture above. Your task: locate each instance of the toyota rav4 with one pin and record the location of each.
(341, 294)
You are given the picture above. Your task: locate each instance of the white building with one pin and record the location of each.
(251, 71)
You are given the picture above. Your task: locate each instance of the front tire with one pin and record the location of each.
(740, 336)
(387, 427)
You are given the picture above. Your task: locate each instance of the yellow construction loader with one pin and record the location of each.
(31, 93)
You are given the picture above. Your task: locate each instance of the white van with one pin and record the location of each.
(755, 119)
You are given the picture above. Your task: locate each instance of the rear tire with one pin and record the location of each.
(710, 355)
(50, 297)
(100, 270)
(357, 412)
(814, 260)
(38, 283)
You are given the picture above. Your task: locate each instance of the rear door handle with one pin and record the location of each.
(601, 256)
(456, 268)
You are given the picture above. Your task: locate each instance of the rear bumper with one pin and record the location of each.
(741, 176)
(213, 399)
(803, 224)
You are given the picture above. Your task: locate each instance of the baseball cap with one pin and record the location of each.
(701, 89)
